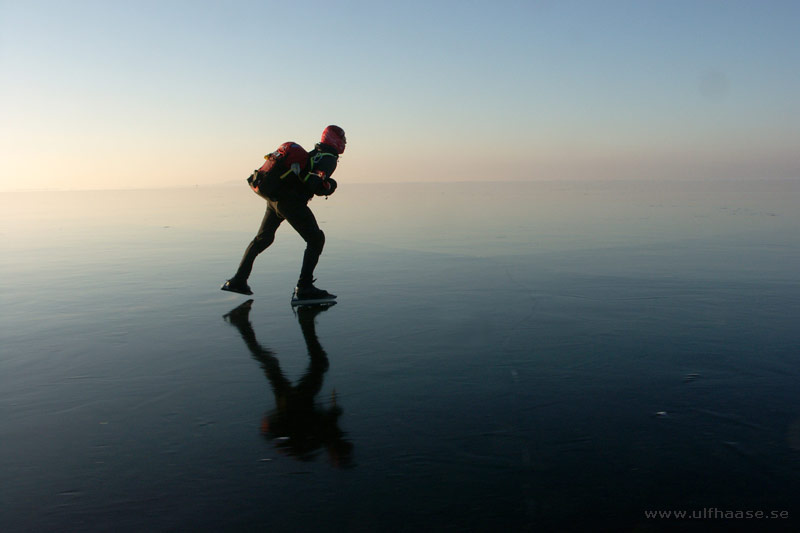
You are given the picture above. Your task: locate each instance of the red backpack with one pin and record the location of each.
(290, 158)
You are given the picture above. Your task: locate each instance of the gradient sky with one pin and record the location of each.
(119, 94)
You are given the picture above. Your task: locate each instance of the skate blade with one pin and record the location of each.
(316, 301)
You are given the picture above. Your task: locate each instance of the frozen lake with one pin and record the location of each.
(503, 356)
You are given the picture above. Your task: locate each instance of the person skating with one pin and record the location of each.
(290, 202)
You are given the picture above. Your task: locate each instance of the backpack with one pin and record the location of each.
(290, 158)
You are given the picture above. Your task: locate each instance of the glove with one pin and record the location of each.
(332, 184)
(326, 187)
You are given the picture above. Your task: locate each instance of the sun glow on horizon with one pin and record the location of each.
(183, 94)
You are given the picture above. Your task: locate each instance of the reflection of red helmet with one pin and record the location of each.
(334, 136)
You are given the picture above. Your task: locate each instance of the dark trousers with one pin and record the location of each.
(301, 218)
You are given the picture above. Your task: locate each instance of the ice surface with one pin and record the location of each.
(495, 359)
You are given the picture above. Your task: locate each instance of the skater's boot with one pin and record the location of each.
(235, 285)
(308, 293)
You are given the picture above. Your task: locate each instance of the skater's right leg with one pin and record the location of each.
(303, 221)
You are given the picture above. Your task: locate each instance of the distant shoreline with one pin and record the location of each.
(583, 181)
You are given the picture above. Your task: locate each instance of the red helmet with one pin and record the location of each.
(334, 136)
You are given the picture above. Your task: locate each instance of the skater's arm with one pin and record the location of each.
(318, 178)
(320, 184)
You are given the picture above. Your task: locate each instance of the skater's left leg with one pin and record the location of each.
(263, 239)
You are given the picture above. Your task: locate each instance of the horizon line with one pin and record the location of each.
(234, 183)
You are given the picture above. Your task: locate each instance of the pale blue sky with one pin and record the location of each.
(99, 94)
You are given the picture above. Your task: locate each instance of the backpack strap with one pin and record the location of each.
(316, 159)
(294, 169)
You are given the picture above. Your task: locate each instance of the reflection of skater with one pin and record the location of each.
(298, 425)
(289, 201)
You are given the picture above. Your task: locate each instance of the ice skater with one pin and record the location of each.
(287, 199)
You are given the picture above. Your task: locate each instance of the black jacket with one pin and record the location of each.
(316, 179)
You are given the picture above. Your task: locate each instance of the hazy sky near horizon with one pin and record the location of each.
(118, 94)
